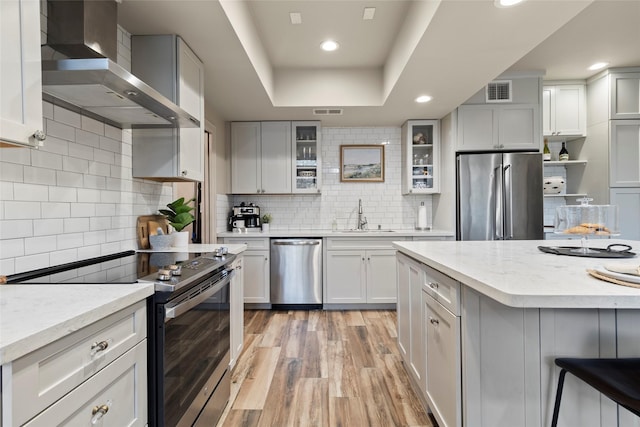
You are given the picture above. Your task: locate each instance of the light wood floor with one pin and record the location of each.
(321, 368)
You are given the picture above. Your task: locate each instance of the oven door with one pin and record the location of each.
(192, 351)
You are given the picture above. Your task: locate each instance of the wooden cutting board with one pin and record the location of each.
(148, 225)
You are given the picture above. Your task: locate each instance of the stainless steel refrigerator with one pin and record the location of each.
(499, 196)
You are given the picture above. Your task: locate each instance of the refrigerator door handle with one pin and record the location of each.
(508, 190)
(498, 198)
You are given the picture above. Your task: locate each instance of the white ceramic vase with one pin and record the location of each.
(265, 228)
(180, 239)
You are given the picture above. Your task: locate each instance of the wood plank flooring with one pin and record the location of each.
(321, 368)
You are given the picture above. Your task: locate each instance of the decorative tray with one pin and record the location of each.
(608, 252)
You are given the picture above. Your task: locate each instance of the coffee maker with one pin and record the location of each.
(244, 217)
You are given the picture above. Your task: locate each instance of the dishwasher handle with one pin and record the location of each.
(296, 242)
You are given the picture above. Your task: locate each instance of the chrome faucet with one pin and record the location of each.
(362, 220)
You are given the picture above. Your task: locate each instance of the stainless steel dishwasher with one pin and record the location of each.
(296, 273)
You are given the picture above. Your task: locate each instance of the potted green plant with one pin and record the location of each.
(266, 219)
(178, 213)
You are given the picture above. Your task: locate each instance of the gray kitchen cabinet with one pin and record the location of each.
(236, 302)
(360, 271)
(167, 64)
(628, 202)
(255, 267)
(20, 68)
(103, 365)
(624, 157)
(261, 159)
(625, 95)
(498, 127)
(410, 308)
(564, 110)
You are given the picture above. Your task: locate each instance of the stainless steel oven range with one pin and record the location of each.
(188, 329)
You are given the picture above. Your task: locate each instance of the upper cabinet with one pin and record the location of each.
(421, 157)
(624, 157)
(625, 95)
(505, 115)
(564, 111)
(261, 157)
(307, 168)
(498, 127)
(21, 82)
(168, 65)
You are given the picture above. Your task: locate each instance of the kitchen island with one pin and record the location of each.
(480, 324)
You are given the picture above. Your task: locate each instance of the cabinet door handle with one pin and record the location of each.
(363, 258)
(39, 135)
(433, 285)
(184, 173)
(97, 347)
(434, 322)
(98, 412)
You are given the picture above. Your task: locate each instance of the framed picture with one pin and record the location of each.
(362, 163)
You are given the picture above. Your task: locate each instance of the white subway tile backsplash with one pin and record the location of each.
(30, 192)
(14, 229)
(99, 223)
(92, 181)
(21, 210)
(83, 210)
(42, 159)
(104, 156)
(69, 179)
(60, 130)
(11, 248)
(47, 109)
(111, 145)
(17, 155)
(71, 164)
(101, 169)
(46, 227)
(70, 240)
(63, 194)
(113, 132)
(94, 237)
(91, 125)
(38, 176)
(55, 210)
(62, 257)
(64, 116)
(81, 151)
(32, 262)
(7, 266)
(10, 172)
(76, 225)
(38, 245)
(88, 195)
(56, 145)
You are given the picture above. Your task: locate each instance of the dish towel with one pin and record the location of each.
(624, 268)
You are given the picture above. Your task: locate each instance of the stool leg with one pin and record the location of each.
(556, 408)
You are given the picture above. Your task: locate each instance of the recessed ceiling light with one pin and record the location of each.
(507, 3)
(295, 18)
(423, 98)
(598, 66)
(329, 45)
(368, 13)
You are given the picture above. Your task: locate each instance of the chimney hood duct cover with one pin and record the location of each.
(86, 81)
(102, 89)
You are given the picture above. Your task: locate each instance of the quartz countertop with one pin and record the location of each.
(516, 273)
(338, 233)
(32, 316)
(202, 248)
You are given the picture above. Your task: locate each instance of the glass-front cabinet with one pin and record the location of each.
(307, 171)
(421, 157)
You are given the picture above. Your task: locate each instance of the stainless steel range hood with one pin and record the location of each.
(100, 88)
(89, 81)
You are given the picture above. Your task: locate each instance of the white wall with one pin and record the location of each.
(383, 203)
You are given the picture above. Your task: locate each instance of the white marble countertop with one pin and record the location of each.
(338, 233)
(518, 274)
(32, 316)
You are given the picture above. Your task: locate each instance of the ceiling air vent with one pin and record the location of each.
(499, 91)
(327, 111)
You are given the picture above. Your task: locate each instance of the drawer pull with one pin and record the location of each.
(433, 321)
(97, 347)
(98, 412)
(433, 285)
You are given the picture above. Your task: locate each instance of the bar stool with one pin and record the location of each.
(618, 379)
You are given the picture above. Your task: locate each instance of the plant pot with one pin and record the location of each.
(265, 228)
(161, 241)
(180, 239)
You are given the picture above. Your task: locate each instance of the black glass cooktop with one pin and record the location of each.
(122, 267)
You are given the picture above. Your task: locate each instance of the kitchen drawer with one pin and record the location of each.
(350, 243)
(47, 374)
(253, 243)
(443, 289)
(120, 390)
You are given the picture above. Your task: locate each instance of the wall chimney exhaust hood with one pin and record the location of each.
(100, 88)
(89, 81)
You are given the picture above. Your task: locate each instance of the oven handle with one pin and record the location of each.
(176, 311)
